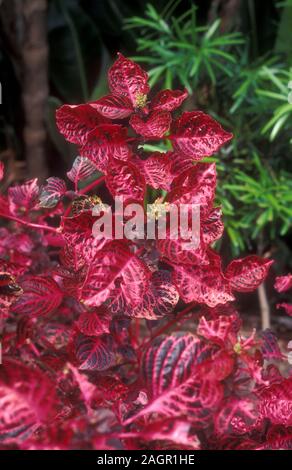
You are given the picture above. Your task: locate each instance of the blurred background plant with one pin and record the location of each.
(233, 56)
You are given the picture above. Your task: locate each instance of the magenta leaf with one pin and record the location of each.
(23, 198)
(123, 179)
(283, 283)
(113, 107)
(82, 169)
(41, 295)
(94, 323)
(75, 122)
(94, 353)
(105, 142)
(27, 400)
(168, 100)
(246, 274)
(52, 192)
(126, 78)
(198, 135)
(153, 126)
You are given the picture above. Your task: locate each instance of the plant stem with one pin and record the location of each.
(92, 185)
(29, 224)
(264, 307)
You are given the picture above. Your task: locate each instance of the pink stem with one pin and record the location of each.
(29, 224)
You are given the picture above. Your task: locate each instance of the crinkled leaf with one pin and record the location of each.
(169, 100)
(157, 170)
(152, 126)
(52, 192)
(198, 135)
(126, 78)
(75, 122)
(105, 142)
(203, 284)
(24, 197)
(123, 179)
(82, 169)
(41, 295)
(246, 274)
(113, 106)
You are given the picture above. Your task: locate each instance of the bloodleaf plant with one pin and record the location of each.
(126, 343)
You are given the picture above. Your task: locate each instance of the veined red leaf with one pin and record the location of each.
(94, 353)
(113, 267)
(126, 78)
(217, 331)
(27, 399)
(152, 126)
(178, 250)
(169, 100)
(174, 388)
(82, 169)
(75, 122)
(157, 170)
(179, 163)
(113, 106)
(24, 197)
(94, 323)
(203, 284)
(41, 295)
(212, 226)
(195, 186)
(246, 274)
(275, 402)
(123, 179)
(283, 283)
(105, 142)
(198, 135)
(52, 192)
(159, 300)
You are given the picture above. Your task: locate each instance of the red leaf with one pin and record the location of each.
(236, 416)
(113, 107)
(217, 331)
(168, 100)
(41, 295)
(105, 142)
(157, 170)
(198, 135)
(27, 399)
(159, 300)
(94, 353)
(276, 402)
(283, 283)
(123, 179)
(174, 388)
(153, 126)
(246, 274)
(82, 169)
(23, 198)
(203, 284)
(126, 78)
(114, 266)
(94, 323)
(212, 226)
(178, 250)
(52, 192)
(195, 186)
(75, 122)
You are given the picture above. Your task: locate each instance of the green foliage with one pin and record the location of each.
(248, 93)
(179, 50)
